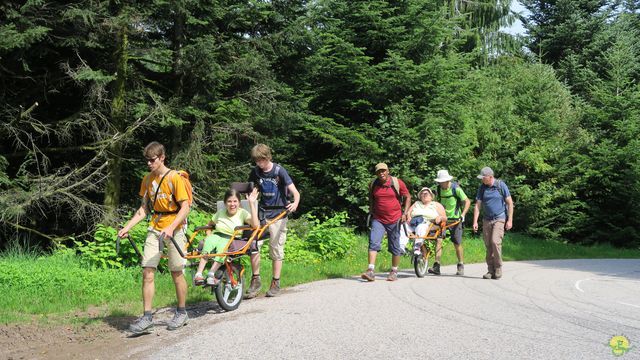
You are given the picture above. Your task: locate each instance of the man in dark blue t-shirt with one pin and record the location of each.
(275, 185)
(497, 216)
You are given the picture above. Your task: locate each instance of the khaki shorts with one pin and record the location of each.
(277, 238)
(151, 257)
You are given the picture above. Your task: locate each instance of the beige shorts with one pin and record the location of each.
(277, 238)
(151, 257)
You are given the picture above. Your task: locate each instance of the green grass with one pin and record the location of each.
(59, 289)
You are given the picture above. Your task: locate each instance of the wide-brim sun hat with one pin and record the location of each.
(443, 176)
(423, 190)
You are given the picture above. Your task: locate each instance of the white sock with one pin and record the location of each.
(371, 266)
(394, 268)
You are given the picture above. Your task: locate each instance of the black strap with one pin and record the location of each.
(155, 196)
(454, 194)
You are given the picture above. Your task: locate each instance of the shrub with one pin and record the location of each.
(309, 239)
(101, 250)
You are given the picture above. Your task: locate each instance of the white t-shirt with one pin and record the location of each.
(429, 211)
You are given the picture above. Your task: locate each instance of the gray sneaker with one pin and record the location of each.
(179, 320)
(142, 325)
(254, 288)
(488, 275)
(369, 275)
(460, 269)
(498, 274)
(393, 275)
(275, 288)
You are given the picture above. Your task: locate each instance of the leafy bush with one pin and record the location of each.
(309, 239)
(331, 239)
(101, 251)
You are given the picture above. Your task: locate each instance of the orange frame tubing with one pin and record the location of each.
(256, 234)
(440, 230)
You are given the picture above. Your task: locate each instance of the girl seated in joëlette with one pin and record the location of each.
(225, 221)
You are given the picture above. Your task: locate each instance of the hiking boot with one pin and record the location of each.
(369, 275)
(393, 275)
(254, 288)
(142, 325)
(460, 269)
(497, 275)
(274, 290)
(435, 270)
(179, 320)
(488, 275)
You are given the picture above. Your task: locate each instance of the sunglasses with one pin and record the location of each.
(151, 160)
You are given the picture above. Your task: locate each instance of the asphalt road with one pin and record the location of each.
(568, 309)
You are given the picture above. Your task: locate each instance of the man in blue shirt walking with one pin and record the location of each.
(497, 216)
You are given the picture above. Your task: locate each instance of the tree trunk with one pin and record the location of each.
(178, 74)
(118, 117)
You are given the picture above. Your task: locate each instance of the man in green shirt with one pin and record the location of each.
(456, 204)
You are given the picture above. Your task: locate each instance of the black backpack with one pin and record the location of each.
(454, 193)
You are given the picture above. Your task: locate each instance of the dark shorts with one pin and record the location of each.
(378, 230)
(456, 234)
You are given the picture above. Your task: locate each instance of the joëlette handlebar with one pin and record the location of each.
(135, 247)
(274, 207)
(173, 240)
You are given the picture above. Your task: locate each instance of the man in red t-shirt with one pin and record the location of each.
(387, 213)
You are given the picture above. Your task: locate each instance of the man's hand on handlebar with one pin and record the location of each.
(122, 233)
(168, 232)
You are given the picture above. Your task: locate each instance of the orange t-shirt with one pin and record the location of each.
(167, 199)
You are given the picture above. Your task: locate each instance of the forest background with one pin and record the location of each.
(333, 86)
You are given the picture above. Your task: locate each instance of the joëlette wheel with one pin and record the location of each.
(421, 262)
(229, 290)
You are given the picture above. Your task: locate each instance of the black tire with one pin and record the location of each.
(421, 262)
(229, 296)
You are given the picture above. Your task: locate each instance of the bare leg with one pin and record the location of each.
(459, 253)
(203, 263)
(372, 256)
(277, 268)
(255, 263)
(438, 250)
(216, 265)
(181, 287)
(395, 261)
(148, 287)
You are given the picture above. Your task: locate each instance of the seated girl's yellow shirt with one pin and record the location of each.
(225, 223)
(429, 212)
(166, 201)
